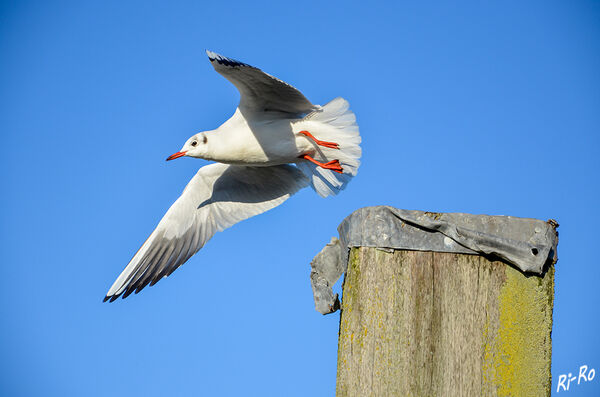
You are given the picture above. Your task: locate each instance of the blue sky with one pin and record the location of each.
(480, 108)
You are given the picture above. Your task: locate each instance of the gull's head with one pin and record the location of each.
(196, 146)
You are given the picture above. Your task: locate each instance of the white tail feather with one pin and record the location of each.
(334, 122)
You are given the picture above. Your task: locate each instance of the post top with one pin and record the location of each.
(525, 243)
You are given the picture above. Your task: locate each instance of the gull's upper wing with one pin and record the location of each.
(260, 92)
(217, 197)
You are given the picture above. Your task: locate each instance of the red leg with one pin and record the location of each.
(333, 165)
(331, 145)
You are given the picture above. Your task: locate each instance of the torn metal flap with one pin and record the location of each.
(326, 269)
(525, 243)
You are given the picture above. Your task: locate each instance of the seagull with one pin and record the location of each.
(276, 143)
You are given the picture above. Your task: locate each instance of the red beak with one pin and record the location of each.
(176, 155)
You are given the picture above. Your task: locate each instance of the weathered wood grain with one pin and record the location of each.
(438, 324)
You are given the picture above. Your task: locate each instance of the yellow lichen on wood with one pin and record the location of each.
(524, 344)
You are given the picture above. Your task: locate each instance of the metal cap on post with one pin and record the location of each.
(440, 304)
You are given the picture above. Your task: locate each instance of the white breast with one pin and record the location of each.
(256, 142)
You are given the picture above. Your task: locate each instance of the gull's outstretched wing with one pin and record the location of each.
(217, 197)
(259, 91)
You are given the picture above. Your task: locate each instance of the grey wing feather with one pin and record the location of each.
(217, 197)
(260, 91)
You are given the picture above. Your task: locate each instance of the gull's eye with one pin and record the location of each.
(194, 143)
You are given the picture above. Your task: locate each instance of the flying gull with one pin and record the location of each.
(276, 143)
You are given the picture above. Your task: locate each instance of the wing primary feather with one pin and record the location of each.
(183, 256)
(116, 288)
(143, 282)
(160, 273)
(165, 252)
(156, 268)
(140, 268)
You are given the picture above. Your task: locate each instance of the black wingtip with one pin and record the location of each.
(154, 281)
(223, 60)
(105, 298)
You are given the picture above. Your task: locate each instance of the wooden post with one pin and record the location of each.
(416, 323)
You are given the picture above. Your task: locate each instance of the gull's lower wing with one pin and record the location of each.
(217, 197)
(259, 91)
